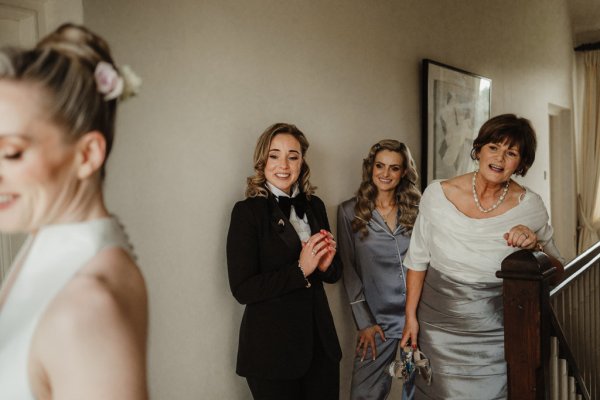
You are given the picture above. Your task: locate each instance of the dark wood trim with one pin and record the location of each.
(588, 47)
(526, 276)
(530, 321)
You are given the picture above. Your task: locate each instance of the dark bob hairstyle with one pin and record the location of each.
(513, 131)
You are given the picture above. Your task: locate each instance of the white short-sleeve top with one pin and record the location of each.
(471, 249)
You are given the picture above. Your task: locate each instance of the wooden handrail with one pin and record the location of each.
(575, 303)
(530, 320)
(576, 267)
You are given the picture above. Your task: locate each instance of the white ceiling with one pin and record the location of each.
(585, 19)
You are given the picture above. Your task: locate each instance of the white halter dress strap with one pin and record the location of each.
(50, 259)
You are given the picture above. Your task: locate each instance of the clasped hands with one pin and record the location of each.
(522, 237)
(317, 252)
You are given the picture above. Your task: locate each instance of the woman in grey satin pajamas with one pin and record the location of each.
(374, 230)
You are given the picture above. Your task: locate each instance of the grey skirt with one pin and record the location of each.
(462, 334)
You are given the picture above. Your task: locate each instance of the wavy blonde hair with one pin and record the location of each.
(256, 183)
(407, 193)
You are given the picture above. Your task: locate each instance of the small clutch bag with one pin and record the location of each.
(411, 360)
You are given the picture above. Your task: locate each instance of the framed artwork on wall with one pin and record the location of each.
(455, 105)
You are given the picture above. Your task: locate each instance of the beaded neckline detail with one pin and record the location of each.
(496, 204)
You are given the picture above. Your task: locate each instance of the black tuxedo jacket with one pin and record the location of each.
(282, 316)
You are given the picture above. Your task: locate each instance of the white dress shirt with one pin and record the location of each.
(300, 225)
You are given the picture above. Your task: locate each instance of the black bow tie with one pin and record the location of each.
(299, 203)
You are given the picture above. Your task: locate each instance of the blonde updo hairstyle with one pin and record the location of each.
(62, 65)
(408, 194)
(256, 184)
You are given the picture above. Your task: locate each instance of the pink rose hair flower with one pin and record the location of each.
(108, 81)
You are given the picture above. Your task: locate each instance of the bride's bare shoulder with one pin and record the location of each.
(100, 315)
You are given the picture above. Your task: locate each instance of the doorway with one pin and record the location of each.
(563, 191)
(19, 26)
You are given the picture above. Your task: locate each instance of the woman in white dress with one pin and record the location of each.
(466, 226)
(73, 310)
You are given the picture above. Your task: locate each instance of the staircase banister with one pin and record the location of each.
(526, 265)
(526, 278)
(576, 267)
(565, 353)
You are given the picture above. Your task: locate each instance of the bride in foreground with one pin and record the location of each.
(73, 310)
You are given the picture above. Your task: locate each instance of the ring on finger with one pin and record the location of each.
(313, 252)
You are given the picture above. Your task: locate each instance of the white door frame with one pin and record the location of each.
(563, 183)
(22, 22)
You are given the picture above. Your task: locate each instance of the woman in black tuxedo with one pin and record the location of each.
(279, 253)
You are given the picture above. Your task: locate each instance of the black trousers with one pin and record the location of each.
(321, 381)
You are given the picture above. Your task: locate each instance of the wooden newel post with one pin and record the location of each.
(526, 323)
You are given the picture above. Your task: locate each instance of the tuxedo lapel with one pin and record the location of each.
(312, 219)
(282, 225)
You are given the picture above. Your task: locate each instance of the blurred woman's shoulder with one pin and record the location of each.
(110, 282)
(105, 300)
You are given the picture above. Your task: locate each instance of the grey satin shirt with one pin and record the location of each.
(374, 276)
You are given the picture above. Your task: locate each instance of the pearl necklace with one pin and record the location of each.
(493, 207)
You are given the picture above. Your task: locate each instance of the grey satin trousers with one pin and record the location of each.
(370, 378)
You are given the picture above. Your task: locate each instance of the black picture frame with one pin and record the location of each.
(455, 105)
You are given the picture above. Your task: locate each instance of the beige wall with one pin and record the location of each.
(217, 72)
(60, 11)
